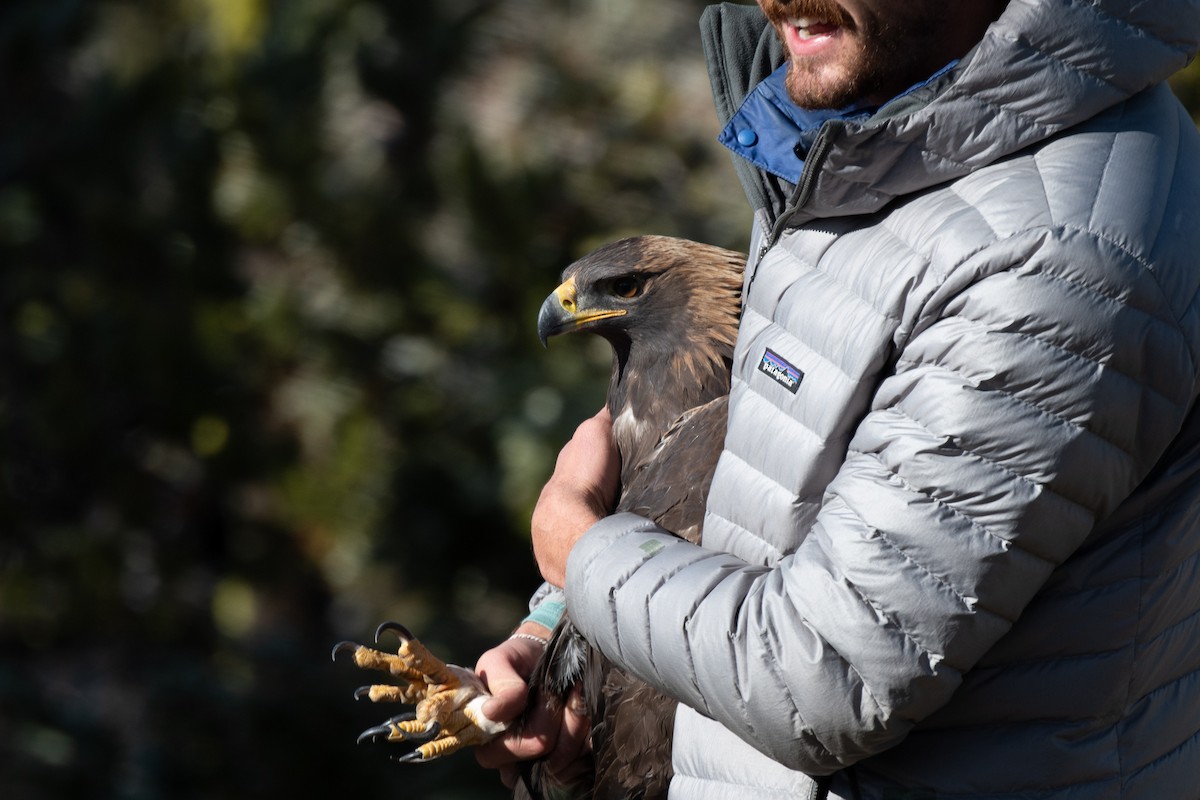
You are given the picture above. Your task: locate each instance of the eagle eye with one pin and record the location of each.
(627, 286)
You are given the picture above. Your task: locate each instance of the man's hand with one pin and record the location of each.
(562, 738)
(582, 490)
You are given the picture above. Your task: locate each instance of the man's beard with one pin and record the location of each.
(867, 72)
(889, 55)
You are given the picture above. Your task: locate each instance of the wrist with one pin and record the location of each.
(529, 637)
(528, 642)
(532, 629)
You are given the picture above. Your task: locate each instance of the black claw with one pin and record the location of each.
(361, 692)
(342, 647)
(414, 757)
(395, 627)
(405, 736)
(406, 717)
(374, 733)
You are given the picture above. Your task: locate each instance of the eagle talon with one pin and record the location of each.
(402, 632)
(342, 647)
(405, 717)
(393, 730)
(448, 699)
(415, 757)
(373, 734)
(431, 732)
(401, 734)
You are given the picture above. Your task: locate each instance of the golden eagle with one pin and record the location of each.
(669, 308)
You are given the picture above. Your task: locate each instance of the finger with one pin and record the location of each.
(503, 670)
(596, 429)
(574, 738)
(591, 459)
(535, 737)
(509, 698)
(511, 748)
(514, 655)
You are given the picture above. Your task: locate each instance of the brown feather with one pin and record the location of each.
(672, 350)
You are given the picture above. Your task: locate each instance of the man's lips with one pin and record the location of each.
(809, 35)
(812, 26)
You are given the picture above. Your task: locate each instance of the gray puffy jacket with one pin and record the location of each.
(962, 558)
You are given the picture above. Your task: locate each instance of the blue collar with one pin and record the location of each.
(775, 134)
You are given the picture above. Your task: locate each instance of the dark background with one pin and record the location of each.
(269, 273)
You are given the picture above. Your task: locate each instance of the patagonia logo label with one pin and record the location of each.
(778, 368)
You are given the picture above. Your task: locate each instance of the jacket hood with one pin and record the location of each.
(1044, 66)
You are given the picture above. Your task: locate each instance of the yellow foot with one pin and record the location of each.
(448, 698)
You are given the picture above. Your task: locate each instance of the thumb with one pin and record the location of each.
(502, 670)
(509, 697)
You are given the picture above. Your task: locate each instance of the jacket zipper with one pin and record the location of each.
(808, 181)
(820, 788)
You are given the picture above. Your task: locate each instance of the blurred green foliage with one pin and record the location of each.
(268, 372)
(269, 366)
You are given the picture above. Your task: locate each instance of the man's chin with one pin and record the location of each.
(821, 89)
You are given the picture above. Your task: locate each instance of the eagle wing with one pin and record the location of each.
(632, 740)
(671, 486)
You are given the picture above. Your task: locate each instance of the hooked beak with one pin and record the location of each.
(560, 312)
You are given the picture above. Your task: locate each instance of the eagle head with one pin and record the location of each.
(652, 290)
